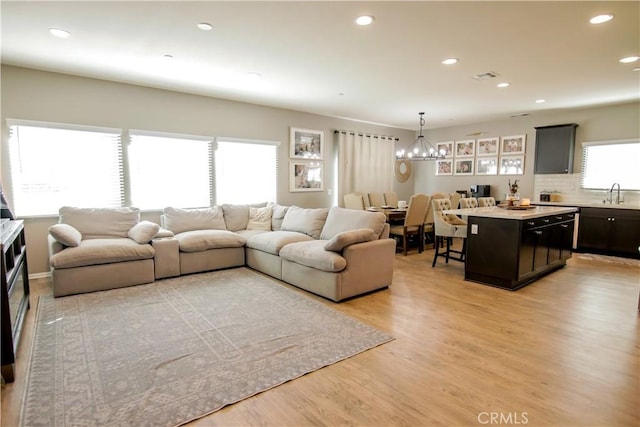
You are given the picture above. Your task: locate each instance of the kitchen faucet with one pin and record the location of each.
(611, 194)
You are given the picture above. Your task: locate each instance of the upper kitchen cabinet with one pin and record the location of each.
(555, 146)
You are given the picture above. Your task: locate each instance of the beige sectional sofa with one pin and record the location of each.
(336, 253)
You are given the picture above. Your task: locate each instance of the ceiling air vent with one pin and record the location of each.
(486, 76)
(519, 115)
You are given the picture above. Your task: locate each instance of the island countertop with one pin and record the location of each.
(504, 213)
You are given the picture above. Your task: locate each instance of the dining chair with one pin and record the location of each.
(468, 203)
(429, 235)
(391, 199)
(353, 201)
(413, 222)
(484, 202)
(376, 199)
(447, 226)
(455, 199)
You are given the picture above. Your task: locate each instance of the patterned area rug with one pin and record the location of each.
(176, 350)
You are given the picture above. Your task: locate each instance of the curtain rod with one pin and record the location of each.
(350, 132)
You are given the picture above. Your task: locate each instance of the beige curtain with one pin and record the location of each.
(365, 163)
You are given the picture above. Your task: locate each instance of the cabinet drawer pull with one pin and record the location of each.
(564, 226)
(558, 217)
(546, 220)
(613, 219)
(538, 232)
(531, 223)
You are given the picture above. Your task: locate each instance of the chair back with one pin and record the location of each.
(468, 203)
(391, 199)
(353, 201)
(484, 202)
(418, 205)
(454, 198)
(376, 199)
(447, 225)
(428, 219)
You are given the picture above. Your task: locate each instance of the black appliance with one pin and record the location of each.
(480, 191)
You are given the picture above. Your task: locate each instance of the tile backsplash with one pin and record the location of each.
(568, 185)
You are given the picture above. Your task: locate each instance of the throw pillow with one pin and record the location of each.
(351, 237)
(277, 217)
(260, 218)
(143, 232)
(306, 221)
(65, 234)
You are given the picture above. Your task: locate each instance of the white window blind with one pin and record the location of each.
(169, 170)
(246, 171)
(54, 165)
(606, 163)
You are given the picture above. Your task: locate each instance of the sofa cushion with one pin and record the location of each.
(312, 254)
(249, 233)
(260, 218)
(350, 237)
(272, 242)
(101, 251)
(201, 240)
(341, 219)
(180, 220)
(277, 216)
(236, 217)
(143, 232)
(65, 234)
(307, 221)
(94, 223)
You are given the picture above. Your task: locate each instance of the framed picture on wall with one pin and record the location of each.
(446, 148)
(463, 167)
(514, 144)
(487, 165)
(444, 167)
(512, 165)
(306, 176)
(487, 146)
(466, 148)
(306, 144)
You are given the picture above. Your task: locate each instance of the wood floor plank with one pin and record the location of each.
(563, 351)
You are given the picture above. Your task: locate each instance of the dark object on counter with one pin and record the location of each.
(545, 197)
(480, 191)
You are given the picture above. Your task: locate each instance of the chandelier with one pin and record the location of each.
(420, 149)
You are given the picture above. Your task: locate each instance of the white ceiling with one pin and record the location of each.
(312, 57)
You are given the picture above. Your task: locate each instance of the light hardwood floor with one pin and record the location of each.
(563, 351)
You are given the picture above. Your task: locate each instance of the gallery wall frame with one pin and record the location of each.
(465, 148)
(463, 167)
(447, 147)
(513, 144)
(444, 167)
(306, 144)
(305, 176)
(487, 146)
(487, 165)
(511, 165)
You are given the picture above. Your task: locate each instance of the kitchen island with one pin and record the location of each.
(511, 248)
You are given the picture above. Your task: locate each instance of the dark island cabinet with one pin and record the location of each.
(15, 292)
(519, 251)
(555, 146)
(609, 231)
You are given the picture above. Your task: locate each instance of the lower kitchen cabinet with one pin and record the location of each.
(609, 231)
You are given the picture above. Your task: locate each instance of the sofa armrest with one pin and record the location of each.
(371, 261)
(54, 246)
(166, 260)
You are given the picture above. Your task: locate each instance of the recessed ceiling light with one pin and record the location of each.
(58, 32)
(450, 61)
(205, 26)
(364, 20)
(540, 101)
(601, 19)
(629, 59)
(505, 84)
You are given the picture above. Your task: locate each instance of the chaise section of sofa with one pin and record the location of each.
(97, 249)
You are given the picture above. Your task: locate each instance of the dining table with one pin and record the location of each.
(394, 215)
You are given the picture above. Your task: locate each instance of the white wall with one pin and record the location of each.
(44, 96)
(595, 124)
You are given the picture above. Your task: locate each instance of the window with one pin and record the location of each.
(56, 165)
(605, 163)
(169, 170)
(246, 171)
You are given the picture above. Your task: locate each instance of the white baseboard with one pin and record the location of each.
(45, 275)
